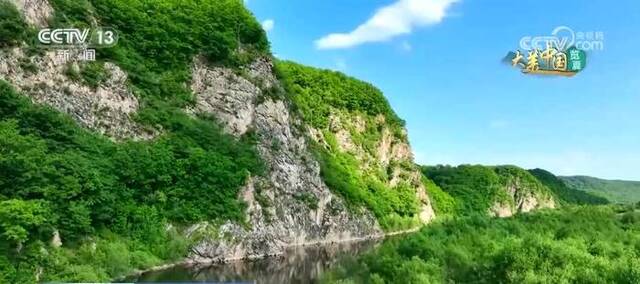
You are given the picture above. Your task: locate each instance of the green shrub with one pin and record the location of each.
(93, 74)
(475, 188)
(443, 204)
(28, 66)
(308, 199)
(315, 92)
(13, 28)
(341, 172)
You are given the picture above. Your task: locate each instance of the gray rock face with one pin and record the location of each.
(36, 12)
(56, 242)
(106, 109)
(521, 201)
(222, 93)
(390, 155)
(290, 206)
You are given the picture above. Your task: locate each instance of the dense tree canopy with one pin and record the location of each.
(571, 245)
(316, 92)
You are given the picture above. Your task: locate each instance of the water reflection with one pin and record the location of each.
(298, 265)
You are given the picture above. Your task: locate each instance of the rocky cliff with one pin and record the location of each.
(500, 191)
(290, 204)
(521, 198)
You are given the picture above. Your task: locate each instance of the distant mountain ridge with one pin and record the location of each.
(565, 193)
(500, 190)
(617, 191)
(495, 190)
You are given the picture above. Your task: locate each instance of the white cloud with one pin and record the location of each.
(396, 19)
(268, 25)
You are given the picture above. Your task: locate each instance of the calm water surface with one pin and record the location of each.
(298, 265)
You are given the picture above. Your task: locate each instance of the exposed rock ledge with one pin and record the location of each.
(520, 201)
(106, 109)
(36, 12)
(279, 214)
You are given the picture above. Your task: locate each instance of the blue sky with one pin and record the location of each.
(438, 64)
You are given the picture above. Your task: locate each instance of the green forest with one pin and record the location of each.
(576, 244)
(119, 206)
(565, 192)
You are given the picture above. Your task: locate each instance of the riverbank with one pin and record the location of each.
(189, 262)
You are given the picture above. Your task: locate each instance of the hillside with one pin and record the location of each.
(618, 191)
(500, 191)
(565, 193)
(185, 141)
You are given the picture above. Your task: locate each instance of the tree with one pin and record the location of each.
(19, 218)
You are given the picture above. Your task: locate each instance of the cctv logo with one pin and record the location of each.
(63, 36)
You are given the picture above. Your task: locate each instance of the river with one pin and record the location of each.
(297, 265)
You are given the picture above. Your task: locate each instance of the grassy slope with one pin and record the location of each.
(618, 191)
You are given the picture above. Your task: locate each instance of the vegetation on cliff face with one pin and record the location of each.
(343, 174)
(476, 188)
(572, 245)
(13, 28)
(159, 39)
(444, 204)
(112, 202)
(83, 185)
(320, 95)
(618, 191)
(318, 92)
